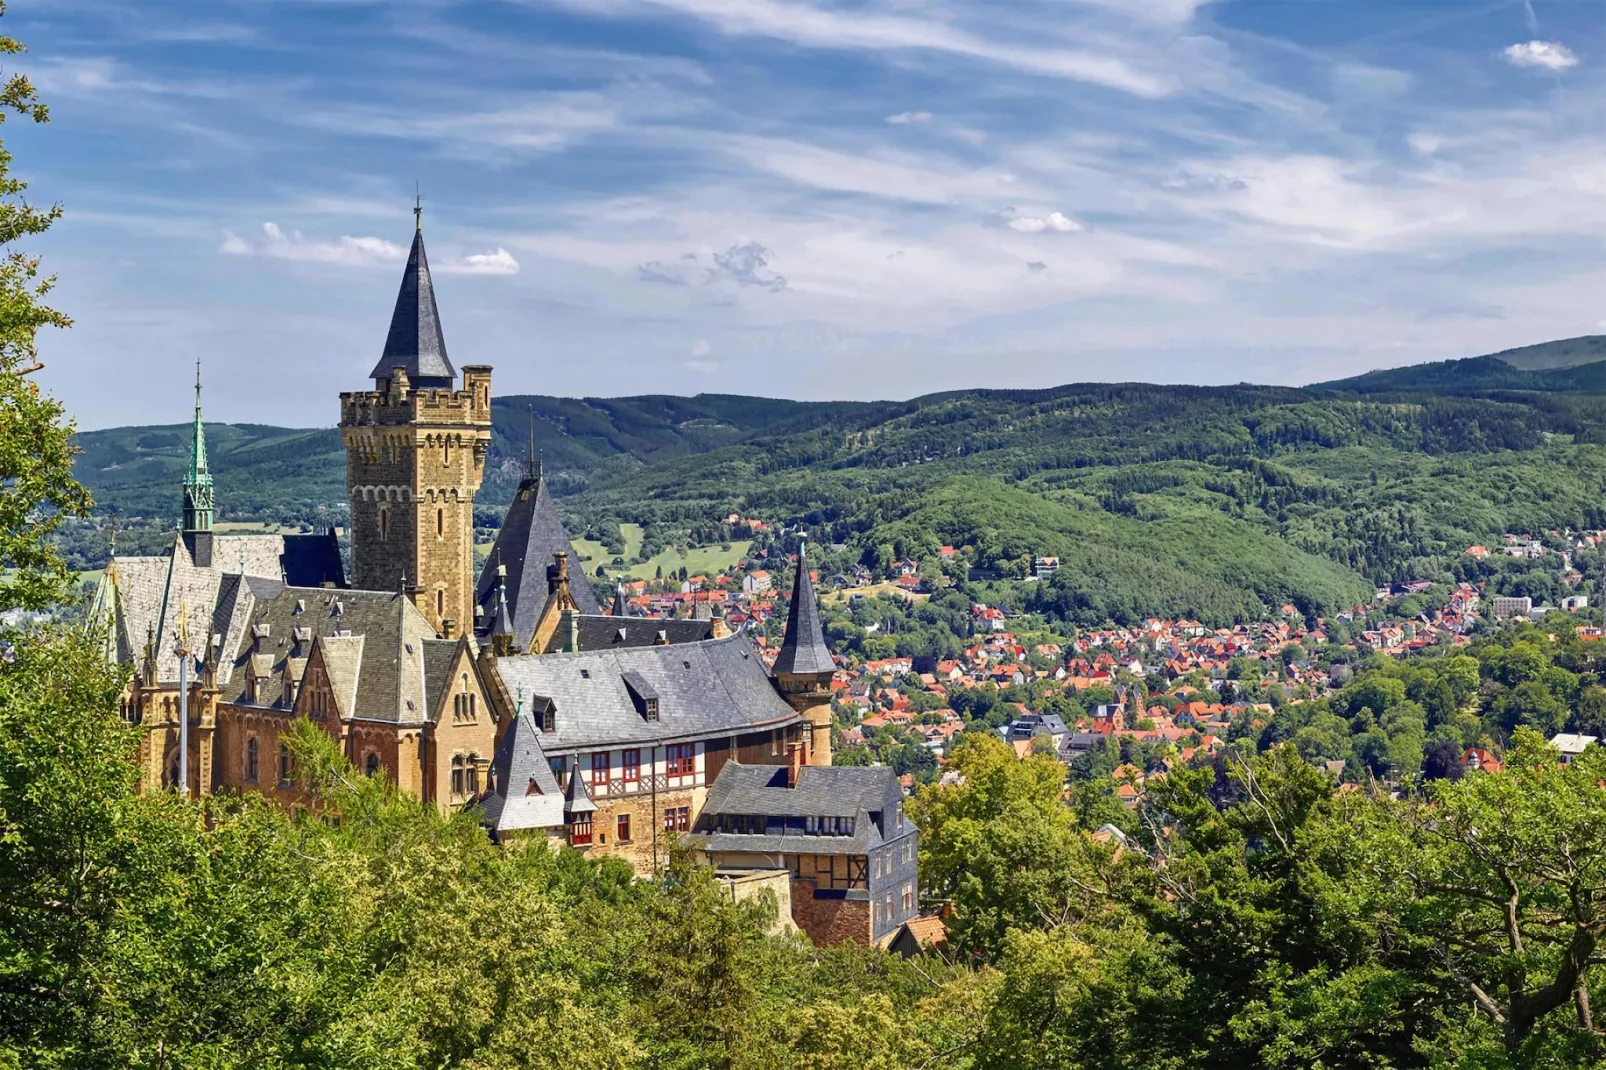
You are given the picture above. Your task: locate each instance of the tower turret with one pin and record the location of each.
(198, 492)
(803, 667)
(415, 457)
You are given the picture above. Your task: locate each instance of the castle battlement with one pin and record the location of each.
(398, 404)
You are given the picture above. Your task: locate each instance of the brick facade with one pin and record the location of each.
(831, 921)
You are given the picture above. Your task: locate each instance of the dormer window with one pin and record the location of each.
(642, 695)
(544, 712)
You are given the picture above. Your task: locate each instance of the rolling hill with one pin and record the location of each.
(1213, 502)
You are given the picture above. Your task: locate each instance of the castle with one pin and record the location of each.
(512, 693)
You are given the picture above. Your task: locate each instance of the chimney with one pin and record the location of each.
(448, 628)
(569, 626)
(794, 763)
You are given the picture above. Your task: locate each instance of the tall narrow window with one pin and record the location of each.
(371, 766)
(384, 522)
(440, 603)
(253, 760)
(457, 774)
(624, 828)
(446, 455)
(599, 770)
(287, 766)
(471, 773)
(440, 522)
(630, 767)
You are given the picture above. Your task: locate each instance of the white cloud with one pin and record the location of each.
(905, 117)
(500, 262)
(699, 348)
(346, 250)
(1425, 144)
(1054, 221)
(819, 27)
(1548, 55)
(349, 251)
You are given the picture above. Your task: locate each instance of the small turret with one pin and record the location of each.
(803, 668)
(198, 492)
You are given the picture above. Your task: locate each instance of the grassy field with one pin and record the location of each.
(700, 560)
(836, 598)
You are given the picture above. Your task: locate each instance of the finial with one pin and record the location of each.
(197, 382)
(530, 457)
(418, 209)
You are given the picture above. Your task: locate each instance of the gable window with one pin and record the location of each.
(287, 766)
(253, 760)
(457, 774)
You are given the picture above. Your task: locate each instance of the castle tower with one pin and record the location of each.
(415, 456)
(803, 667)
(197, 522)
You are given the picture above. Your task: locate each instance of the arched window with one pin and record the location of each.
(172, 773)
(287, 766)
(440, 523)
(371, 765)
(472, 773)
(253, 760)
(384, 522)
(457, 774)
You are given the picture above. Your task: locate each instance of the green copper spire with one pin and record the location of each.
(198, 485)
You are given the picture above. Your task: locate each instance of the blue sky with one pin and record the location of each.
(807, 198)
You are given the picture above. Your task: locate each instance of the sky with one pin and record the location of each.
(805, 198)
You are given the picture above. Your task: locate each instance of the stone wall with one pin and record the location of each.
(830, 921)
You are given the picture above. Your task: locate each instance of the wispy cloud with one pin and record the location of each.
(361, 252)
(1544, 55)
(816, 26)
(906, 117)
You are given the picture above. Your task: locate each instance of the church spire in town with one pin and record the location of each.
(198, 481)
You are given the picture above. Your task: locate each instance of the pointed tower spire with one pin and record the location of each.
(529, 464)
(415, 341)
(803, 651)
(198, 481)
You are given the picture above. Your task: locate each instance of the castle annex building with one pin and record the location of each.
(511, 692)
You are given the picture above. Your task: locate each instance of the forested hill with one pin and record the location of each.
(1215, 502)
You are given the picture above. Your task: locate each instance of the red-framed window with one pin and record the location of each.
(599, 771)
(677, 819)
(580, 830)
(630, 766)
(680, 759)
(624, 828)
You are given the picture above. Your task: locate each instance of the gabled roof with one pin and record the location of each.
(415, 340)
(803, 650)
(821, 791)
(526, 794)
(717, 687)
(530, 534)
(609, 633)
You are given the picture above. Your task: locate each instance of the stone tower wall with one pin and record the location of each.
(414, 460)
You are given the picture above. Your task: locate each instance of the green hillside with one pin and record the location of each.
(1563, 353)
(1215, 502)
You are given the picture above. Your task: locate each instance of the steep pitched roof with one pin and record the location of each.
(803, 650)
(526, 794)
(415, 340)
(714, 687)
(530, 534)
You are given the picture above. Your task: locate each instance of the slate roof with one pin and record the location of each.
(803, 650)
(526, 793)
(612, 633)
(822, 791)
(148, 592)
(415, 340)
(704, 689)
(530, 534)
(376, 646)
